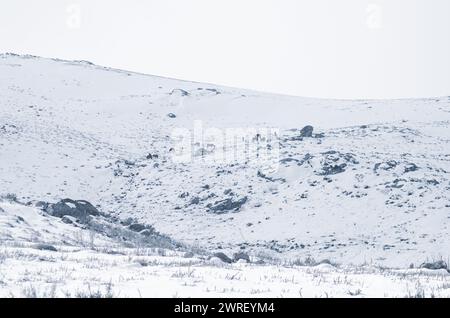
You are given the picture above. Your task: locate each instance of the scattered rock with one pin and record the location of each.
(79, 209)
(195, 200)
(171, 115)
(262, 175)
(241, 256)
(435, 265)
(213, 90)
(306, 131)
(410, 167)
(319, 135)
(333, 169)
(127, 222)
(389, 165)
(147, 232)
(46, 247)
(9, 129)
(137, 227)
(184, 195)
(335, 162)
(68, 219)
(224, 258)
(227, 205)
(180, 91)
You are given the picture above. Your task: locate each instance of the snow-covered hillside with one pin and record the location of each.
(43, 256)
(369, 185)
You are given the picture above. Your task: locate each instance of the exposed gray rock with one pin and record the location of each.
(195, 200)
(9, 129)
(333, 169)
(319, 135)
(335, 162)
(241, 255)
(410, 167)
(46, 247)
(307, 131)
(435, 265)
(184, 195)
(79, 209)
(432, 182)
(262, 175)
(227, 205)
(224, 258)
(137, 227)
(213, 90)
(68, 219)
(128, 221)
(388, 165)
(180, 91)
(147, 232)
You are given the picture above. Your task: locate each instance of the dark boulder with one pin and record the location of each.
(68, 219)
(46, 247)
(227, 205)
(79, 209)
(241, 255)
(224, 258)
(435, 265)
(179, 91)
(307, 131)
(184, 195)
(147, 232)
(333, 169)
(195, 200)
(388, 165)
(137, 227)
(410, 167)
(319, 135)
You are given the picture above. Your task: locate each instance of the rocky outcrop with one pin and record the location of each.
(224, 258)
(227, 205)
(307, 131)
(79, 209)
(241, 256)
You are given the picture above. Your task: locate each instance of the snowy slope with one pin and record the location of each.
(41, 256)
(374, 188)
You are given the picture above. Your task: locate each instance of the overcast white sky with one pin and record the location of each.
(321, 48)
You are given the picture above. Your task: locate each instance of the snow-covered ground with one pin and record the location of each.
(370, 186)
(41, 256)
